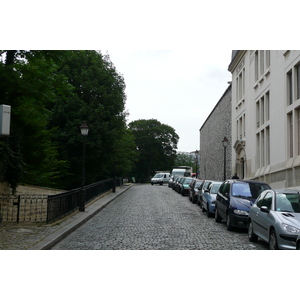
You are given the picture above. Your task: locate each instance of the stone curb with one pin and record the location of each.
(80, 218)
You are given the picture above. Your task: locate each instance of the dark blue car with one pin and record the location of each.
(234, 199)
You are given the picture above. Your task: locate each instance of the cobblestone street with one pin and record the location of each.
(155, 218)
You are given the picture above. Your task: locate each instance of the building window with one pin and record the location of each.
(267, 105)
(257, 114)
(298, 80)
(261, 62)
(289, 88)
(258, 151)
(240, 85)
(267, 59)
(262, 112)
(262, 146)
(256, 66)
(263, 130)
(290, 134)
(268, 145)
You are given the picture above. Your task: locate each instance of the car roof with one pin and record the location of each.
(248, 181)
(286, 191)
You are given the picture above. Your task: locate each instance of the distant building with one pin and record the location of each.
(266, 116)
(214, 129)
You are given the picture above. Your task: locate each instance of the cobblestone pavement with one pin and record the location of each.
(35, 236)
(155, 217)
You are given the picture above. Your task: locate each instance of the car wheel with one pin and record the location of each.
(298, 246)
(273, 245)
(207, 211)
(200, 203)
(218, 219)
(251, 235)
(228, 222)
(202, 207)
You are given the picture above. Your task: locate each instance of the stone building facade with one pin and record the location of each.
(215, 128)
(266, 116)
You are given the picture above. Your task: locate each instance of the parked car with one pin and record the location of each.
(209, 198)
(184, 185)
(176, 182)
(179, 184)
(234, 199)
(160, 178)
(171, 181)
(202, 188)
(275, 218)
(194, 189)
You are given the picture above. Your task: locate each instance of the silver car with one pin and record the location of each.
(298, 242)
(275, 218)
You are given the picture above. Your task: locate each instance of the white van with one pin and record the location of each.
(160, 178)
(183, 171)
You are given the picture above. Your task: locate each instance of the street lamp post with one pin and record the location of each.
(84, 131)
(225, 144)
(196, 161)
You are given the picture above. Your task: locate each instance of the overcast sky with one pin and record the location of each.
(177, 87)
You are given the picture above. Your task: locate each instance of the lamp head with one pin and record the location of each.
(84, 128)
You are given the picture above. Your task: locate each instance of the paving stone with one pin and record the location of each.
(155, 218)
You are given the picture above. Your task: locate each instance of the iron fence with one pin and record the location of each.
(46, 208)
(64, 203)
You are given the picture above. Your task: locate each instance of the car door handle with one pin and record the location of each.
(257, 214)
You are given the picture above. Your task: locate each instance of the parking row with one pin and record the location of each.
(267, 214)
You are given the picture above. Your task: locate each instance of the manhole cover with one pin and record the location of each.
(20, 230)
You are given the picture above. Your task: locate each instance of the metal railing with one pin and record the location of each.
(46, 208)
(65, 203)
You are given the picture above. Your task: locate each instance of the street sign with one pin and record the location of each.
(5, 119)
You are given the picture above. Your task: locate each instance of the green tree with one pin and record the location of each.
(29, 83)
(99, 99)
(51, 93)
(156, 144)
(185, 159)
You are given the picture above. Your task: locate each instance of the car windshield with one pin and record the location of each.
(215, 188)
(158, 175)
(288, 202)
(248, 190)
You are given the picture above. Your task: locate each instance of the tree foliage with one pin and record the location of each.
(51, 93)
(156, 144)
(29, 84)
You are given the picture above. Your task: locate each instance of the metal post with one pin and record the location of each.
(82, 191)
(224, 163)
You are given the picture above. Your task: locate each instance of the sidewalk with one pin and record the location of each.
(36, 236)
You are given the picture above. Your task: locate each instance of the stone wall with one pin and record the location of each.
(29, 204)
(29, 189)
(212, 132)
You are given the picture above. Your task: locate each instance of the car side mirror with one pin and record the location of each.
(206, 191)
(265, 209)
